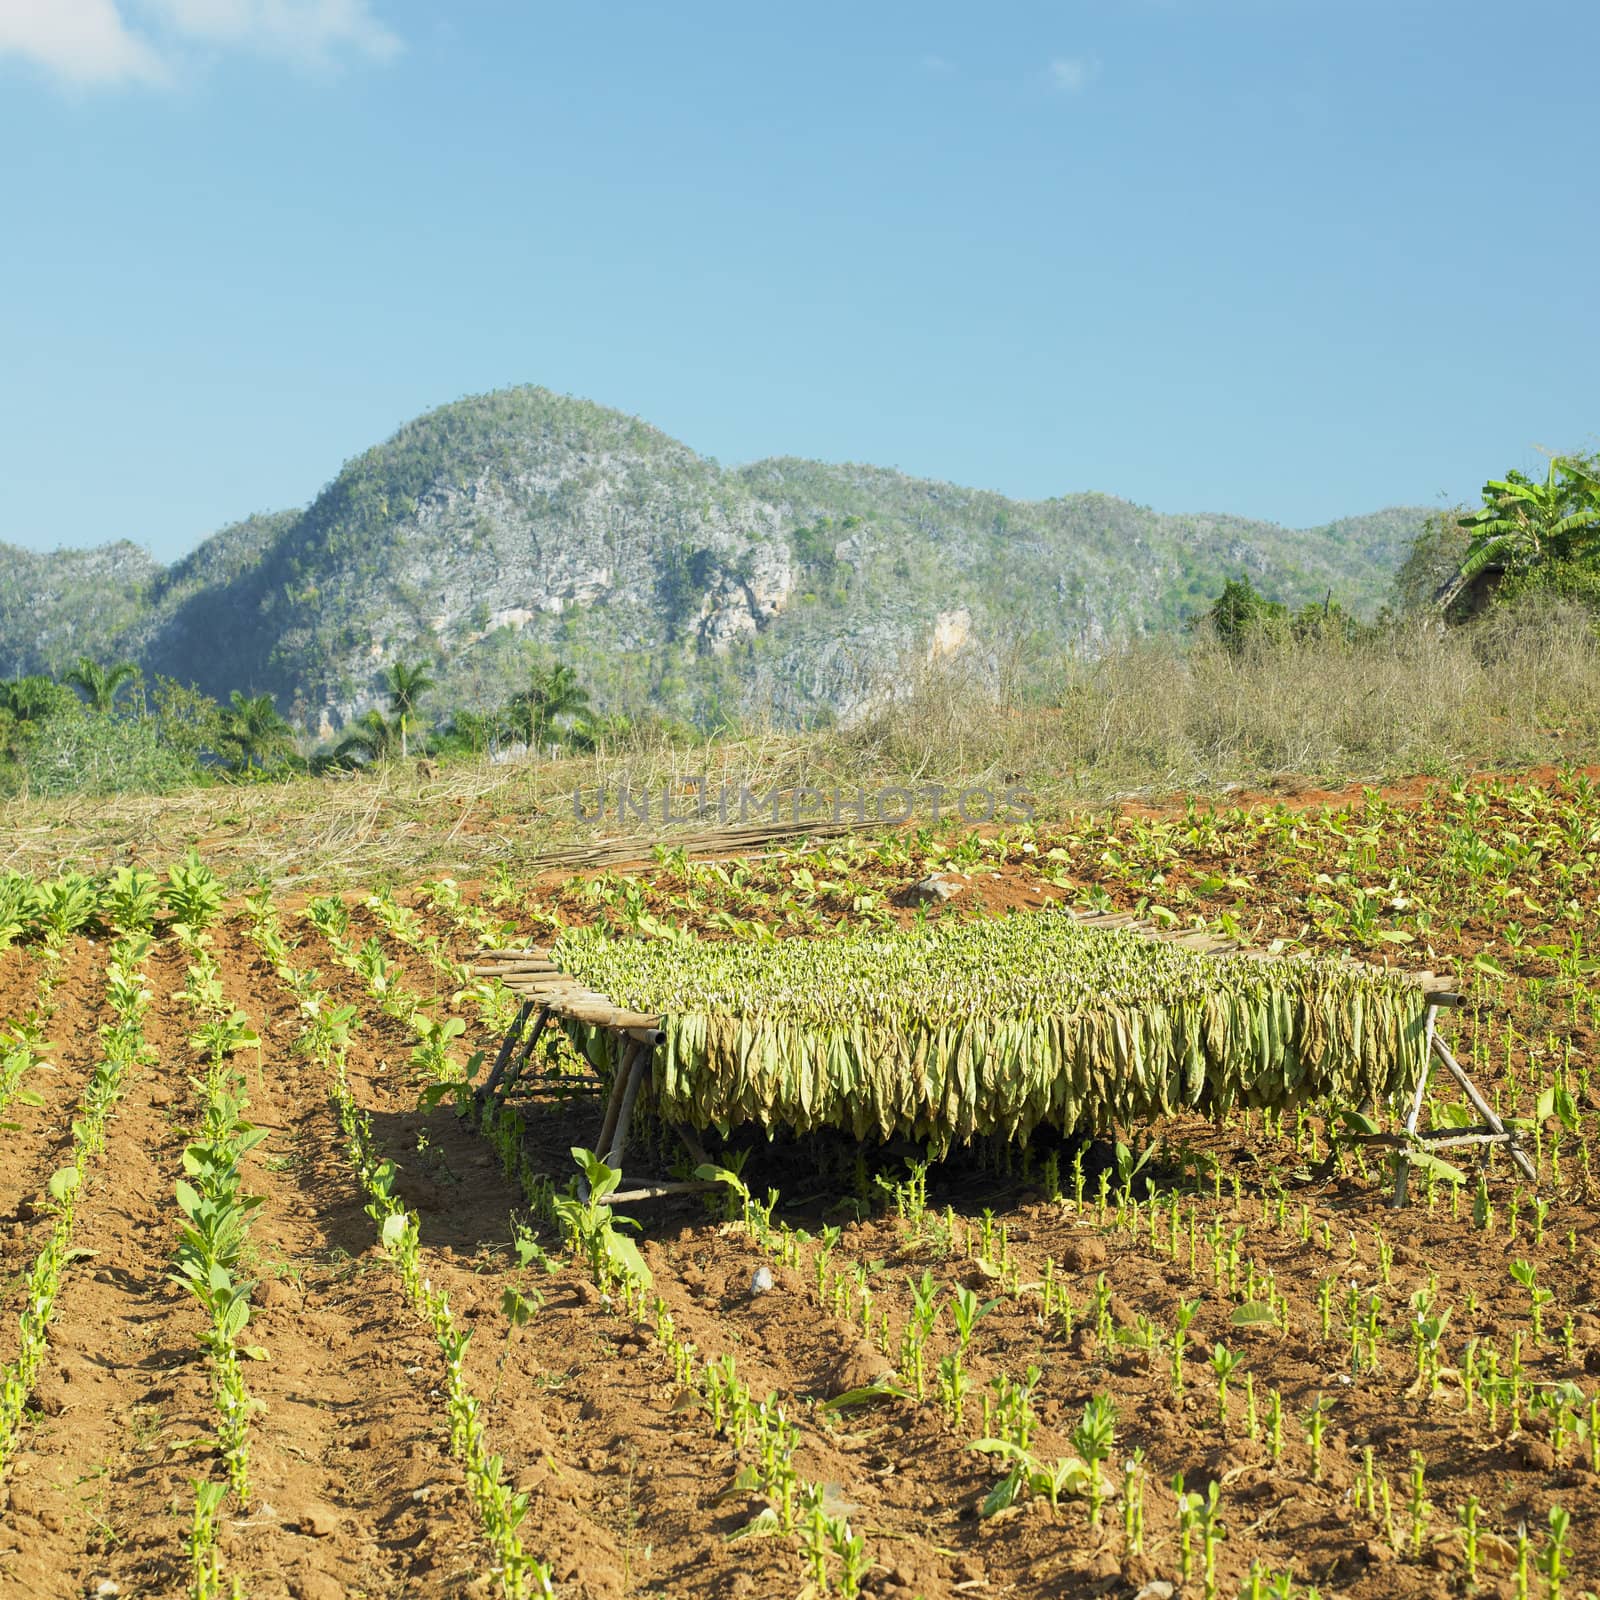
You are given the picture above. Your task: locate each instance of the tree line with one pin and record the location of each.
(246, 736)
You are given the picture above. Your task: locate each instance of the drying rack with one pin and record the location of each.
(546, 994)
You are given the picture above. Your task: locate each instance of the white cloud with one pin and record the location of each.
(938, 66)
(89, 42)
(1074, 74)
(83, 41)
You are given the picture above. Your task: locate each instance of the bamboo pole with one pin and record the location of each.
(1485, 1110)
(608, 1124)
(619, 1138)
(504, 1053)
(652, 1191)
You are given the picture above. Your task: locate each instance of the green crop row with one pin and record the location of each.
(124, 1049)
(325, 1036)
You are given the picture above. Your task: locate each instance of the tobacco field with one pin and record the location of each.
(288, 1308)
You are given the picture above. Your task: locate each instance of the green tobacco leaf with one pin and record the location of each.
(1557, 1102)
(64, 1182)
(625, 1253)
(1357, 1123)
(516, 1307)
(746, 1481)
(1442, 1169)
(1003, 1494)
(1567, 1110)
(868, 1394)
(764, 1525)
(1255, 1314)
(602, 1180)
(706, 1172)
(235, 1318)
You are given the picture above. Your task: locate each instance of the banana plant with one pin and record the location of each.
(1522, 521)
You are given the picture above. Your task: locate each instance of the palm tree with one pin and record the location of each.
(407, 685)
(252, 732)
(553, 692)
(26, 699)
(371, 737)
(100, 684)
(1522, 521)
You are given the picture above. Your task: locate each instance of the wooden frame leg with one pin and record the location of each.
(619, 1137)
(690, 1140)
(1486, 1111)
(520, 1060)
(619, 1084)
(503, 1055)
(1491, 1133)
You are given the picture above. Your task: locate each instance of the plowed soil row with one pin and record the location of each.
(42, 1139)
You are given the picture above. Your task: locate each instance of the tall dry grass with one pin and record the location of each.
(1519, 687)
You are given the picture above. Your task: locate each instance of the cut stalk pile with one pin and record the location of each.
(961, 1029)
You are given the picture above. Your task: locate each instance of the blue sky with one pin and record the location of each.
(1287, 258)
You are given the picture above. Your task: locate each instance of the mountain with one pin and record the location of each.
(512, 526)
